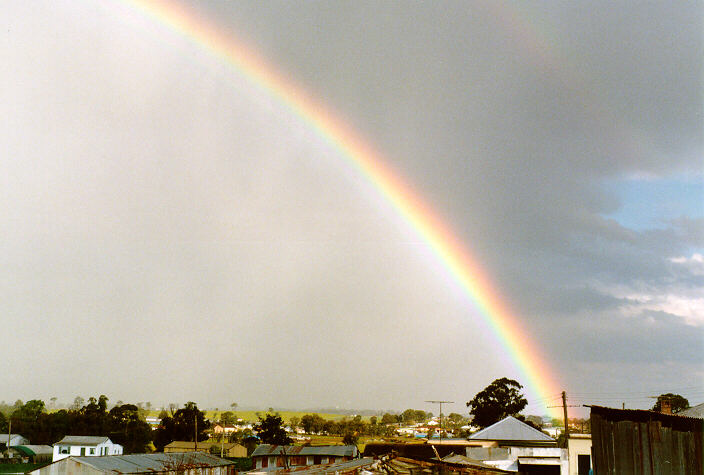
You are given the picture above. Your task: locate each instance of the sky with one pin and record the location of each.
(173, 230)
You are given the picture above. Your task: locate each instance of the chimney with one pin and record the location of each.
(665, 406)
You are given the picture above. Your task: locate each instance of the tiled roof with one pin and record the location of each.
(511, 428)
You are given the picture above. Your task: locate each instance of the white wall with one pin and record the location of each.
(104, 448)
(578, 445)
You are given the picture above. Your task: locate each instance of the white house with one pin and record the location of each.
(85, 445)
(15, 439)
(517, 447)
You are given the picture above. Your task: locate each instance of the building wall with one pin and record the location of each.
(506, 458)
(104, 448)
(236, 451)
(202, 447)
(295, 460)
(636, 441)
(66, 467)
(578, 446)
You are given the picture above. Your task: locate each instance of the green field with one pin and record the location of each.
(251, 416)
(20, 467)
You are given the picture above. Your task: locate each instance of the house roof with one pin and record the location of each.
(348, 466)
(83, 440)
(464, 460)
(335, 450)
(149, 463)
(402, 465)
(3, 437)
(34, 449)
(511, 429)
(694, 411)
(180, 444)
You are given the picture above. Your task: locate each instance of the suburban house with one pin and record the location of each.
(85, 445)
(228, 449)
(198, 462)
(224, 429)
(15, 439)
(515, 446)
(284, 456)
(579, 450)
(153, 422)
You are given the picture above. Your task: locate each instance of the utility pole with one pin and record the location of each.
(564, 410)
(441, 403)
(564, 413)
(195, 438)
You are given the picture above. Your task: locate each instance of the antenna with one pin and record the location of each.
(441, 403)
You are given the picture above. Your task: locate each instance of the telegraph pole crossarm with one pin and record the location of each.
(441, 403)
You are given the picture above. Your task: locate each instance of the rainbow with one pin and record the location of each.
(540, 380)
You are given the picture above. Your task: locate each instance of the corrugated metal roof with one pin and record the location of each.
(694, 411)
(347, 466)
(464, 460)
(338, 467)
(145, 463)
(24, 450)
(323, 450)
(510, 428)
(38, 449)
(82, 440)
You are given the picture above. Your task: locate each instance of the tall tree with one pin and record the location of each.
(500, 399)
(677, 402)
(128, 429)
(271, 431)
(182, 426)
(228, 417)
(77, 403)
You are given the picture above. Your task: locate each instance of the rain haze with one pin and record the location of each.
(172, 230)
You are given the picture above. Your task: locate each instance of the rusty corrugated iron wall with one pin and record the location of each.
(646, 442)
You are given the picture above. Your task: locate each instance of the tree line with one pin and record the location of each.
(123, 424)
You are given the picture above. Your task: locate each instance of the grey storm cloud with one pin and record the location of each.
(170, 224)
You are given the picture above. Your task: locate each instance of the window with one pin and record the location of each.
(83, 450)
(65, 450)
(92, 451)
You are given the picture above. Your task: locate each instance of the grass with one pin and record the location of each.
(20, 467)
